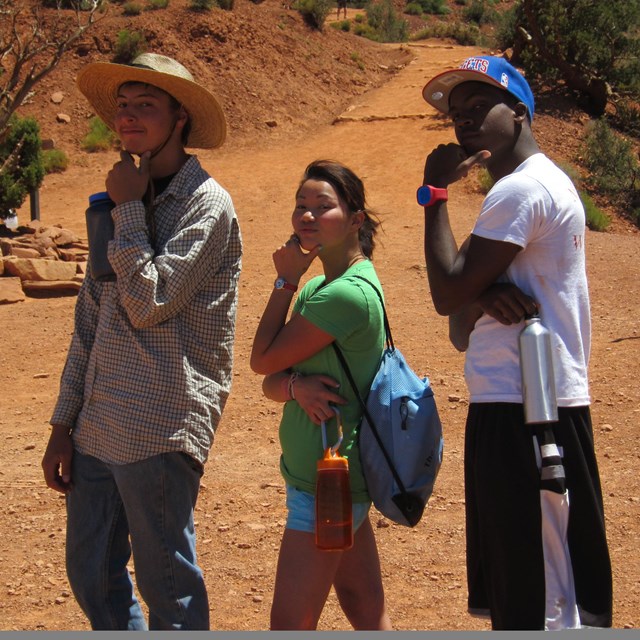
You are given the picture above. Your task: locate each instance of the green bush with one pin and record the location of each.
(132, 9)
(627, 117)
(343, 25)
(54, 161)
(485, 181)
(21, 162)
(355, 57)
(413, 9)
(365, 31)
(556, 41)
(597, 220)
(611, 161)
(201, 5)
(99, 138)
(227, 5)
(479, 13)
(129, 45)
(158, 4)
(386, 24)
(464, 34)
(315, 12)
(434, 7)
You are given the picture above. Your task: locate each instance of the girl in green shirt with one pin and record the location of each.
(331, 222)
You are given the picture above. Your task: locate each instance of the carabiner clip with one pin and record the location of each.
(323, 426)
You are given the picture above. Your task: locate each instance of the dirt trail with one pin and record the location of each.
(383, 136)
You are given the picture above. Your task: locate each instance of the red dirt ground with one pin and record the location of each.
(327, 107)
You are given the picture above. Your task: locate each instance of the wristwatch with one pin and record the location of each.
(281, 283)
(428, 195)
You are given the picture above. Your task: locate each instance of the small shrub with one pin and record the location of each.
(129, 45)
(99, 138)
(359, 18)
(343, 25)
(479, 13)
(572, 172)
(413, 9)
(132, 9)
(55, 161)
(315, 12)
(201, 5)
(597, 220)
(21, 162)
(434, 7)
(356, 58)
(464, 34)
(485, 181)
(627, 117)
(158, 4)
(384, 20)
(611, 161)
(365, 31)
(227, 5)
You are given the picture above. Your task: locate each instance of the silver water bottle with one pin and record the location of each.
(536, 367)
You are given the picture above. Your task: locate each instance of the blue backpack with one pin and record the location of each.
(400, 436)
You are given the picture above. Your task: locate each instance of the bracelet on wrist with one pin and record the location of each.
(292, 378)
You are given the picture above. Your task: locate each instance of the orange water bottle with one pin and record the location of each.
(334, 516)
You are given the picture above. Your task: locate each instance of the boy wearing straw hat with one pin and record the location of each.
(149, 368)
(525, 254)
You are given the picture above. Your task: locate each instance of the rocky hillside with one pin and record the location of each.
(272, 72)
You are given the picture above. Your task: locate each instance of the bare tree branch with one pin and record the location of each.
(32, 45)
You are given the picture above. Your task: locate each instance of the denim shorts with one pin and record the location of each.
(301, 508)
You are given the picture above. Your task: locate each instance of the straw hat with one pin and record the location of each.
(100, 81)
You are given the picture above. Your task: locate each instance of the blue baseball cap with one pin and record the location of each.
(490, 69)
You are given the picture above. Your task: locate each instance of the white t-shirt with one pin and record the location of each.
(537, 208)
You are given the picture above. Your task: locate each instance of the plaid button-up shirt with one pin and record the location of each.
(149, 367)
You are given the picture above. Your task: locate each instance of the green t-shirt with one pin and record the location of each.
(348, 309)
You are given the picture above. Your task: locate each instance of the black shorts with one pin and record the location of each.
(505, 564)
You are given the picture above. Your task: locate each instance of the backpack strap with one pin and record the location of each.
(387, 326)
(363, 404)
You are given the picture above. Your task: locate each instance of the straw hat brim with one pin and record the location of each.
(99, 83)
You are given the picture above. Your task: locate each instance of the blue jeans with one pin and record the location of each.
(145, 507)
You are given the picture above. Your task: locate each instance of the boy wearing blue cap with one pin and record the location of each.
(525, 254)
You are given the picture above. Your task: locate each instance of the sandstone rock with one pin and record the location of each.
(41, 269)
(51, 285)
(11, 291)
(24, 252)
(65, 237)
(57, 97)
(73, 254)
(63, 117)
(58, 235)
(48, 144)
